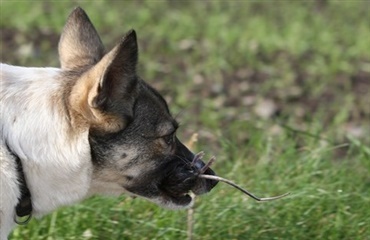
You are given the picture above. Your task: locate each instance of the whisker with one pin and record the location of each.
(183, 159)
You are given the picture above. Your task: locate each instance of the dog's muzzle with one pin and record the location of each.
(170, 183)
(182, 177)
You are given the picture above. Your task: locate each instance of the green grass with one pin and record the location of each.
(219, 63)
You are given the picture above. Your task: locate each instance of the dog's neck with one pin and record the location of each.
(38, 132)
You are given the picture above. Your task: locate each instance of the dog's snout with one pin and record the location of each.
(196, 165)
(203, 185)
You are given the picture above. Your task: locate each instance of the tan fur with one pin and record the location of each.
(82, 95)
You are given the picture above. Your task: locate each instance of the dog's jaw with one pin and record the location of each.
(165, 200)
(186, 202)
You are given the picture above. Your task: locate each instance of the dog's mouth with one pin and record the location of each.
(173, 183)
(183, 180)
(178, 194)
(174, 188)
(179, 200)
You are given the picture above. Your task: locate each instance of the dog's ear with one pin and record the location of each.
(105, 94)
(118, 79)
(80, 44)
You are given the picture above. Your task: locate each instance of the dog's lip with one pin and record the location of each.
(184, 197)
(180, 199)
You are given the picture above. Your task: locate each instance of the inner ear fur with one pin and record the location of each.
(119, 75)
(105, 94)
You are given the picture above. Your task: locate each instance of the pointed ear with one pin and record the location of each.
(106, 93)
(80, 44)
(119, 76)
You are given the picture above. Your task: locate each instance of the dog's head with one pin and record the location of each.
(132, 134)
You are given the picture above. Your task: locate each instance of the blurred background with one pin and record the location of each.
(278, 91)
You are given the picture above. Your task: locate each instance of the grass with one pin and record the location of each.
(277, 91)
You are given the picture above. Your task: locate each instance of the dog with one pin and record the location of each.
(92, 126)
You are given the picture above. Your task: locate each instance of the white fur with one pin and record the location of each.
(57, 166)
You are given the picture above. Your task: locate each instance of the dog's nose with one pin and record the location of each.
(204, 185)
(201, 185)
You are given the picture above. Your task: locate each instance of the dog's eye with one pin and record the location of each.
(169, 139)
